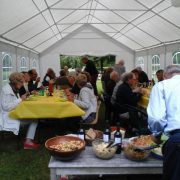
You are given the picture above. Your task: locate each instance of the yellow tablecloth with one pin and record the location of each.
(45, 107)
(143, 102)
(144, 99)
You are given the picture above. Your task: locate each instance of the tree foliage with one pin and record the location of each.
(75, 61)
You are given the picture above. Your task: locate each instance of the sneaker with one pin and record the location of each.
(31, 145)
(63, 178)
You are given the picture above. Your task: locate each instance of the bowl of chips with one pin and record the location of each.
(65, 147)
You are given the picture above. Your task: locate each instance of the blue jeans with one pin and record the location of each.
(171, 158)
(90, 118)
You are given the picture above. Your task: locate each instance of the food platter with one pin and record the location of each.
(142, 141)
(134, 155)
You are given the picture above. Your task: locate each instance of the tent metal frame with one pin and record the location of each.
(92, 7)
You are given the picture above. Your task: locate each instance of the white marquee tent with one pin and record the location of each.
(130, 29)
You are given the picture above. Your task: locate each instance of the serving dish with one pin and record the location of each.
(101, 151)
(133, 154)
(143, 141)
(65, 147)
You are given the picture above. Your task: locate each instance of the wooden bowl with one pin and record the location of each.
(61, 154)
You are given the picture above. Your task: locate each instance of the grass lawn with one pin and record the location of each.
(99, 87)
(23, 164)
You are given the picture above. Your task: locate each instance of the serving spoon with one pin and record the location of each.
(146, 148)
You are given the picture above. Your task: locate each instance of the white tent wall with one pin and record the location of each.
(22, 53)
(78, 43)
(165, 52)
(16, 53)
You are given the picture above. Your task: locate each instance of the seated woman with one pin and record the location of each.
(63, 81)
(86, 98)
(50, 75)
(9, 100)
(75, 89)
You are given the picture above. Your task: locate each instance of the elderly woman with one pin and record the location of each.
(9, 100)
(86, 98)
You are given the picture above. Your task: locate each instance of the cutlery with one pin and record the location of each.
(146, 148)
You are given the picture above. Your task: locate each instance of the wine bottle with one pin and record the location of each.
(118, 139)
(81, 133)
(106, 133)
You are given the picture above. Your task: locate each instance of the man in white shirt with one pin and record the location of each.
(164, 117)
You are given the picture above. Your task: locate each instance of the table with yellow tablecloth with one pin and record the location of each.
(145, 98)
(46, 107)
(143, 102)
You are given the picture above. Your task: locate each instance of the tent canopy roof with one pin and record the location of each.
(138, 24)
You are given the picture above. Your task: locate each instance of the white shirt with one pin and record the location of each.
(164, 106)
(8, 101)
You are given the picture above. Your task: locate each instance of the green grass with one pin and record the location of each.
(99, 87)
(24, 165)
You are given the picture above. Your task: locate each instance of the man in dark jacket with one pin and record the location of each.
(34, 80)
(125, 99)
(125, 94)
(91, 69)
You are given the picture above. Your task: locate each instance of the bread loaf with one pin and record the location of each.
(90, 134)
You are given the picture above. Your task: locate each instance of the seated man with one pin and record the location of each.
(63, 80)
(34, 80)
(114, 78)
(50, 75)
(111, 83)
(125, 95)
(10, 100)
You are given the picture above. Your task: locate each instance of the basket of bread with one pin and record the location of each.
(92, 134)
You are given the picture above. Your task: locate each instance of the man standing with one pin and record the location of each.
(91, 69)
(164, 117)
(120, 68)
(160, 75)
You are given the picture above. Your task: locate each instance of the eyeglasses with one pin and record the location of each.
(20, 82)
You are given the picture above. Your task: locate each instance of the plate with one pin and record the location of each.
(31, 99)
(157, 153)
